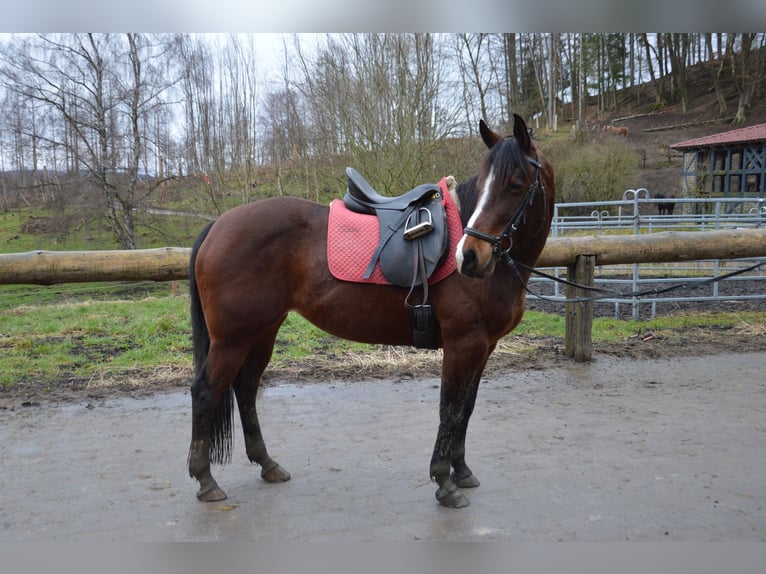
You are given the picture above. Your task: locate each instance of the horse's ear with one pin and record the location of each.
(490, 138)
(521, 133)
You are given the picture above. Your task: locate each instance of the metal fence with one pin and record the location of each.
(640, 213)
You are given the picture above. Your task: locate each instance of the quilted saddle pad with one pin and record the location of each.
(352, 238)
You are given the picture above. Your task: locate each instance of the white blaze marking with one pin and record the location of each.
(483, 195)
(459, 253)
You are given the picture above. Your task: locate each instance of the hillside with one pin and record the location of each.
(652, 131)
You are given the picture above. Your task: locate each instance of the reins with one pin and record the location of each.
(610, 293)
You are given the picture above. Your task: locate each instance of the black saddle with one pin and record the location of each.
(413, 242)
(409, 223)
(362, 198)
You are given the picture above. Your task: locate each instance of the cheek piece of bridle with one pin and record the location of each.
(502, 244)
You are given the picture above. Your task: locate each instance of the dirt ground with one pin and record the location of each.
(620, 449)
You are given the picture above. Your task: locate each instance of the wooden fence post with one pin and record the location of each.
(578, 343)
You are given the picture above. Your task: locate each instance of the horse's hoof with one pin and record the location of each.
(467, 481)
(452, 498)
(211, 493)
(275, 473)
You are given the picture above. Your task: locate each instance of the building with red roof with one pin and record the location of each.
(727, 164)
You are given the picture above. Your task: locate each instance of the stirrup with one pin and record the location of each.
(413, 230)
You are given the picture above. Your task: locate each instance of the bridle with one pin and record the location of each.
(503, 243)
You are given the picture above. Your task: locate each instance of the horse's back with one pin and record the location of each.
(255, 230)
(254, 253)
(271, 215)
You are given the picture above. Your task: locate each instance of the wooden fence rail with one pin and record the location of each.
(579, 254)
(53, 267)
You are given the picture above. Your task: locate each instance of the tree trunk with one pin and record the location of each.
(511, 73)
(715, 72)
(677, 48)
(659, 97)
(743, 77)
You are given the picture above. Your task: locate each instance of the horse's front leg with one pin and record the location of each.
(461, 373)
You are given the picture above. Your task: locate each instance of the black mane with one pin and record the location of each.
(468, 194)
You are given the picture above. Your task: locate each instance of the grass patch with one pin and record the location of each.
(64, 341)
(609, 330)
(61, 342)
(28, 229)
(53, 344)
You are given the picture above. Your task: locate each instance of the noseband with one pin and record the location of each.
(502, 244)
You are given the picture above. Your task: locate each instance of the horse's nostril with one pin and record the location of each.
(469, 260)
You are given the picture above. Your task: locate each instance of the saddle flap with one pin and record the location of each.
(398, 254)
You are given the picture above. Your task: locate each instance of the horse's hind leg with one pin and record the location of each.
(246, 388)
(199, 452)
(211, 417)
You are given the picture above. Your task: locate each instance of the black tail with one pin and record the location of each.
(200, 335)
(221, 424)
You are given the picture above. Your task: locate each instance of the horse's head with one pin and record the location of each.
(512, 205)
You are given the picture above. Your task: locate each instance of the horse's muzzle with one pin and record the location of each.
(470, 263)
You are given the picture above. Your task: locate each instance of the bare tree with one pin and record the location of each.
(103, 88)
(511, 75)
(716, 65)
(376, 98)
(659, 92)
(678, 51)
(472, 62)
(747, 68)
(553, 72)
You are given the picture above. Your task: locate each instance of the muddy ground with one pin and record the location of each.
(620, 449)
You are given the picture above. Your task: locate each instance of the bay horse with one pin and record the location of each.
(261, 260)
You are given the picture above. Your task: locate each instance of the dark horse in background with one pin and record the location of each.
(259, 261)
(664, 207)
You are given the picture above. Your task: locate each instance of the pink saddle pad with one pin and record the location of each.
(352, 238)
